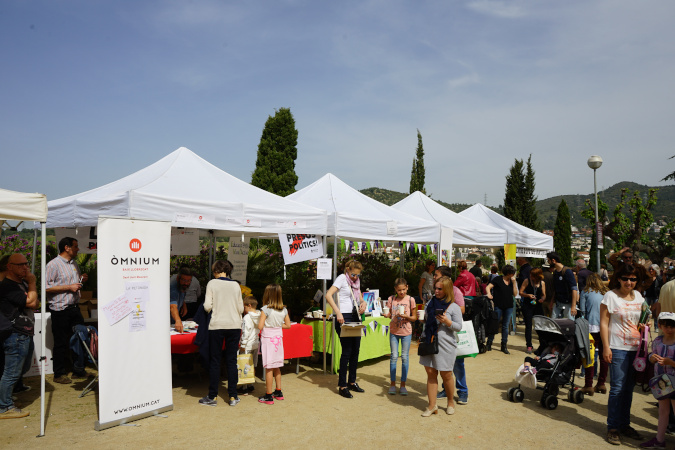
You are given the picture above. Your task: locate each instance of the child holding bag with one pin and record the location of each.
(273, 318)
(663, 358)
(402, 311)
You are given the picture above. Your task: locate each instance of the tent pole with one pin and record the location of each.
(402, 261)
(323, 286)
(333, 331)
(32, 258)
(43, 325)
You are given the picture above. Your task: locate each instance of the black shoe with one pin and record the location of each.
(345, 392)
(630, 432)
(505, 350)
(355, 387)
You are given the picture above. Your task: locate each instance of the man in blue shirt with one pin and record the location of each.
(178, 289)
(565, 290)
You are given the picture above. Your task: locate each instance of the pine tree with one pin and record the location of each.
(417, 173)
(277, 152)
(513, 205)
(562, 234)
(529, 200)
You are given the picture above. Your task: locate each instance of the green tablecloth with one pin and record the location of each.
(373, 345)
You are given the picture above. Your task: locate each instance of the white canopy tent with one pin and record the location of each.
(189, 192)
(528, 242)
(466, 231)
(25, 206)
(355, 216)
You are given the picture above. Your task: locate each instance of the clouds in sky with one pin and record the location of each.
(93, 91)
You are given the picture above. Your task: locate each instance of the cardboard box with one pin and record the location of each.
(84, 309)
(351, 329)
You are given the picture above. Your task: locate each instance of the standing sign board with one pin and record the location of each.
(237, 254)
(134, 341)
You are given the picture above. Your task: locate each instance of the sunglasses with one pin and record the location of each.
(354, 275)
(20, 264)
(438, 288)
(627, 279)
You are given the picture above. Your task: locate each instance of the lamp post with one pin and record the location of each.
(594, 162)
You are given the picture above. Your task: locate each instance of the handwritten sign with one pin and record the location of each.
(117, 309)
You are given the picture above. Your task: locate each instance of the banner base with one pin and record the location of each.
(102, 426)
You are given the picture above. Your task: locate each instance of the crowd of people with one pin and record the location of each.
(230, 324)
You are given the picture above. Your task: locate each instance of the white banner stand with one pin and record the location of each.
(134, 347)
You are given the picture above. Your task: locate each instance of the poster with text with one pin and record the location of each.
(238, 256)
(300, 247)
(185, 242)
(446, 246)
(134, 342)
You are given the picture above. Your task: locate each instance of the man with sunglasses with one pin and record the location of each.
(18, 292)
(63, 281)
(626, 255)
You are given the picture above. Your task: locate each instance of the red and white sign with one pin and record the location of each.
(300, 247)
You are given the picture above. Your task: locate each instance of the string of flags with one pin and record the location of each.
(347, 245)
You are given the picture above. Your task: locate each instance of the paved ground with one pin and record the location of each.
(314, 415)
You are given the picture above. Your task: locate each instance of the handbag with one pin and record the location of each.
(662, 385)
(640, 361)
(245, 369)
(428, 348)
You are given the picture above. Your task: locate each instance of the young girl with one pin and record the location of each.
(400, 330)
(273, 318)
(663, 357)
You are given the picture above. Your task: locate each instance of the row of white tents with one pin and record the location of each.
(182, 187)
(188, 191)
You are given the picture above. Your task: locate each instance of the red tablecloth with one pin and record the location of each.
(298, 342)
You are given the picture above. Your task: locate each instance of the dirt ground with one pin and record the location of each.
(313, 414)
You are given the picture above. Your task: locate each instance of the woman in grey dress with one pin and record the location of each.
(444, 325)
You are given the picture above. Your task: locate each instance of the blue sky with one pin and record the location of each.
(91, 91)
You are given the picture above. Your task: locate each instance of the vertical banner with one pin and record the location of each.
(510, 254)
(134, 342)
(446, 246)
(238, 256)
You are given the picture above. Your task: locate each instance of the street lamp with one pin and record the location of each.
(594, 162)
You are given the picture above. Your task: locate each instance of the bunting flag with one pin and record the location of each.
(386, 329)
(400, 244)
(363, 332)
(341, 245)
(375, 322)
(364, 247)
(372, 325)
(371, 245)
(436, 248)
(350, 245)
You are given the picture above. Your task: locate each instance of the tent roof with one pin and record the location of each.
(353, 215)
(516, 233)
(183, 188)
(466, 231)
(22, 206)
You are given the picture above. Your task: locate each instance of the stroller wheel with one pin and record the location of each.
(570, 396)
(510, 392)
(482, 348)
(550, 402)
(578, 396)
(518, 395)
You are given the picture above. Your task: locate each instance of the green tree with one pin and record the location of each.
(630, 223)
(562, 234)
(529, 200)
(515, 185)
(417, 173)
(277, 152)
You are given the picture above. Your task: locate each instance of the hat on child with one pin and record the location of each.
(667, 316)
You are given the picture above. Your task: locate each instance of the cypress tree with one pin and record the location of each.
(417, 174)
(562, 234)
(513, 205)
(529, 200)
(277, 152)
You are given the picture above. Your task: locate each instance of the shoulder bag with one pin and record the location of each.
(640, 361)
(662, 386)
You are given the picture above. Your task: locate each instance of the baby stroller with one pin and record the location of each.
(550, 332)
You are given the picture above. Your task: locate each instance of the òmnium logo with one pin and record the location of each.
(135, 245)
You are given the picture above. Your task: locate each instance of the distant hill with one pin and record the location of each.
(548, 208)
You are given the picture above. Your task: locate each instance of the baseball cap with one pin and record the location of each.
(667, 316)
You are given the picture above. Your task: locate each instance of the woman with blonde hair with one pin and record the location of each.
(443, 318)
(589, 305)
